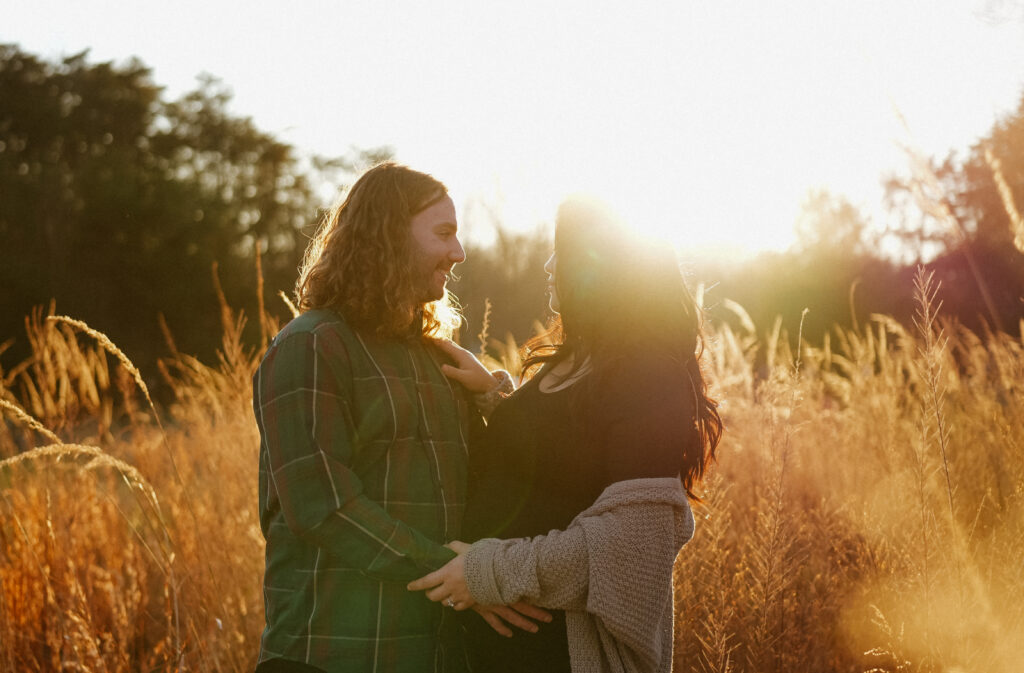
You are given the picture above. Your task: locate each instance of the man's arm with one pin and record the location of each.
(302, 410)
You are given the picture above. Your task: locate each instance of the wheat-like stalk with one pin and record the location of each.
(28, 420)
(51, 594)
(1009, 205)
(108, 346)
(935, 343)
(261, 310)
(95, 458)
(485, 325)
(289, 304)
(166, 331)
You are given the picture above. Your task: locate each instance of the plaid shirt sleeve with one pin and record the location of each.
(305, 423)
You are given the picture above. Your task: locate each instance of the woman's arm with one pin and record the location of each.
(488, 388)
(633, 531)
(547, 570)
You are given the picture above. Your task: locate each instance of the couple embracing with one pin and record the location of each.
(419, 513)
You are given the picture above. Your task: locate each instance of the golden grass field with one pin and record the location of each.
(866, 513)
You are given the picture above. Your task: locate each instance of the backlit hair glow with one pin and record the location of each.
(360, 262)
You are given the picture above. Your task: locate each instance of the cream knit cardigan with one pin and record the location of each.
(610, 570)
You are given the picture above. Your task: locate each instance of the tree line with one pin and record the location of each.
(122, 206)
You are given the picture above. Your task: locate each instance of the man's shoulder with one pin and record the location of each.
(318, 335)
(323, 327)
(314, 322)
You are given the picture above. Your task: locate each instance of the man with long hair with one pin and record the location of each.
(363, 440)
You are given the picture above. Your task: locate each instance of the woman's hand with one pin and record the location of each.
(467, 369)
(447, 585)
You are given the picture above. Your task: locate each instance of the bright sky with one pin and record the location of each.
(703, 121)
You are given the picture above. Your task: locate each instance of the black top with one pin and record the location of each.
(546, 456)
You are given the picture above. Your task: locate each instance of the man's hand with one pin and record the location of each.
(467, 369)
(457, 546)
(498, 615)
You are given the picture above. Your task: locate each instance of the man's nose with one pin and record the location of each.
(458, 253)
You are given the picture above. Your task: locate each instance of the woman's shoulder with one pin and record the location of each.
(645, 369)
(641, 383)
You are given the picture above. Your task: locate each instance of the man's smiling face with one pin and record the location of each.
(436, 248)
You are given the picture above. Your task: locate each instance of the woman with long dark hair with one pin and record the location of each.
(579, 489)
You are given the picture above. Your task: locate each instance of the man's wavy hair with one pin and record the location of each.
(361, 263)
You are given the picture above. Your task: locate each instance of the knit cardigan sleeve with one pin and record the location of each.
(555, 570)
(548, 570)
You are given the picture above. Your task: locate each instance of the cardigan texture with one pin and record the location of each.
(610, 570)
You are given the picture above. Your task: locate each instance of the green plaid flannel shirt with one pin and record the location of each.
(362, 480)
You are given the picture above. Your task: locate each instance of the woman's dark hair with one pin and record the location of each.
(622, 296)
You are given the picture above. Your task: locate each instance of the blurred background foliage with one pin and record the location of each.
(118, 204)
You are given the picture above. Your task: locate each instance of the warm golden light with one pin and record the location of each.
(708, 124)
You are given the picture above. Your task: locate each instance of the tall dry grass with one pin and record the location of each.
(131, 541)
(867, 513)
